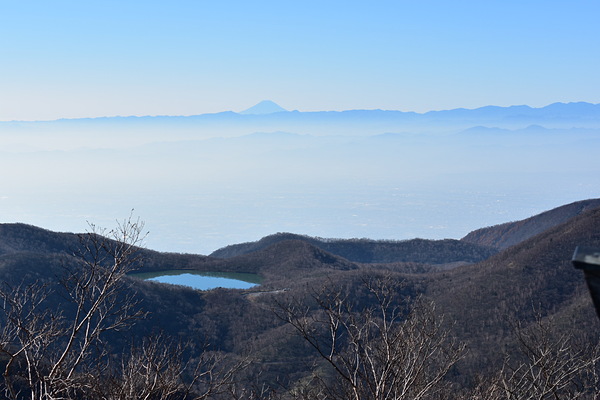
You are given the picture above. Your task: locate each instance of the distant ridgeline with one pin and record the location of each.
(508, 234)
(375, 251)
(476, 246)
(268, 116)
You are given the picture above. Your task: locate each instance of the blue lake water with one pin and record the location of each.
(202, 280)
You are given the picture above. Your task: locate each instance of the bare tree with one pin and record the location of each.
(27, 331)
(51, 351)
(47, 349)
(547, 365)
(388, 350)
(157, 368)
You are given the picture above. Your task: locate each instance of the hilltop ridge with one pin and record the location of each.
(509, 234)
(374, 251)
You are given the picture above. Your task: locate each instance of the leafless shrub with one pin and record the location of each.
(388, 350)
(47, 353)
(548, 366)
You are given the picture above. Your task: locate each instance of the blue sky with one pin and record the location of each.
(67, 59)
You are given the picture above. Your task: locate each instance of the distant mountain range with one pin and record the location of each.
(268, 112)
(267, 116)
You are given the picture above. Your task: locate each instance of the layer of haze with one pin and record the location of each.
(204, 182)
(67, 59)
(201, 183)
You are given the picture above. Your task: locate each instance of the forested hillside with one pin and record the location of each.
(275, 340)
(510, 233)
(532, 277)
(376, 251)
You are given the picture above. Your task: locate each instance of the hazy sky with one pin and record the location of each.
(66, 59)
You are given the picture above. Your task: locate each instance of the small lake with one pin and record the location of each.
(202, 280)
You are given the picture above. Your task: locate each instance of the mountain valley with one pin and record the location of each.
(510, 272)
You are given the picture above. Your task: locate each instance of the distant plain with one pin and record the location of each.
(204, 182)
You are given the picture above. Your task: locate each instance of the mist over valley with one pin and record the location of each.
(203, 182)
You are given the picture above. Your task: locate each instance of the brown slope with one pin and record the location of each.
(282, 257)
(16, 238)
(375, 251)
(31, 241)
(285, 259)
(535, 274)
(510, 233)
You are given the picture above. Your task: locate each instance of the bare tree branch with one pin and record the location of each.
(383, 351)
